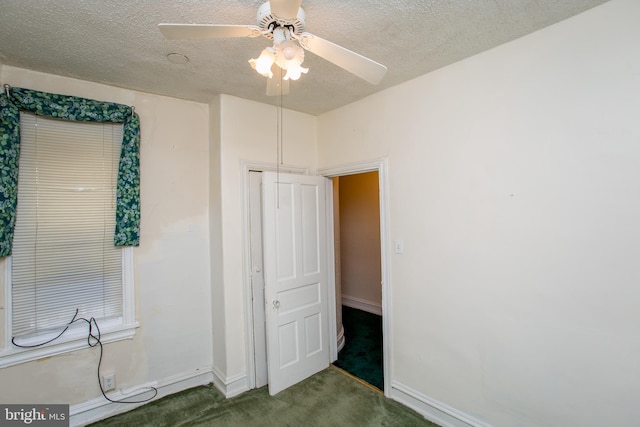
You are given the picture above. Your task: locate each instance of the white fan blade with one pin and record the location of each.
(285, 9)
(207, 31)
(276, 85)
(355, 63)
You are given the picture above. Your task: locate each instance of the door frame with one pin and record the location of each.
(246, 168)
(379, 165)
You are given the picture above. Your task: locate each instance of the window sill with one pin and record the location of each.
(70, 341)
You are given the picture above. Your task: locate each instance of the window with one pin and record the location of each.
(64, 258)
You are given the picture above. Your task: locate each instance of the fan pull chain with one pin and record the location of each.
(278, 143)
(281, 122)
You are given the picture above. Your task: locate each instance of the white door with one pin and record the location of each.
(295, 267)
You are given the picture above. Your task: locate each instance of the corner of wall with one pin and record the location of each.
(230, 386)
(215, 239)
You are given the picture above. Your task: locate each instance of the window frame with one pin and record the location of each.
(75, 338)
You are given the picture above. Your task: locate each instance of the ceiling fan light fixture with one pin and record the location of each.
(263, 63)
(283, 25)
(288, 52)
(295, 71)
(289, 56)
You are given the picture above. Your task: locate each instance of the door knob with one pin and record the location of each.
(276, 304)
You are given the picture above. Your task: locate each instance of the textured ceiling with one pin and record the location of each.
(118, 43)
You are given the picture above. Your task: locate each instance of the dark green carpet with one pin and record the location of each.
(362, 353)
(329, 398)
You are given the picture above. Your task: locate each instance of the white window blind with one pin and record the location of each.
(63, 254)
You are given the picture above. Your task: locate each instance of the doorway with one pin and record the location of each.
(255, 354)
(292, 297)
(359, 274)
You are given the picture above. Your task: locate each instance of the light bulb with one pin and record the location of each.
(289, 52)
(289, 56)
(264, 62)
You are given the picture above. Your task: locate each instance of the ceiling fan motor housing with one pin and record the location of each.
(268, 21)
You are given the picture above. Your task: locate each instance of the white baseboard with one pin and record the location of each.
(231, 386)
(100, 408)
(362, 304)
(433, 410)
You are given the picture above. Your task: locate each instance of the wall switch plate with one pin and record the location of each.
(399, 245)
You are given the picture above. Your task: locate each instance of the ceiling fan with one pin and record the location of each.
(282, 21)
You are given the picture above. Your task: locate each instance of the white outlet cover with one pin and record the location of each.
(109, 381)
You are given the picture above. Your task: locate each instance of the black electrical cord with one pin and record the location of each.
(93, 340)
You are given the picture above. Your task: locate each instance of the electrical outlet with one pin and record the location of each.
(109, 381)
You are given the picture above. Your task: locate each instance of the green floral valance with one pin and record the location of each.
(127, 232)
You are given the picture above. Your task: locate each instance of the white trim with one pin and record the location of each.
(380, 165)
(271, 167)
(236, 385)
(8, 313)
(432, 409)
(246, 167)
(331, 275)
(99, 408)
(353, 168)
(247, 272)
(128, 288)
(341, 341)
(362, 304)
(231, 386)
(77, 340)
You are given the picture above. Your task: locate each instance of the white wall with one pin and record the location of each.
(171, 263)
(514, 183)
(247, 135)
(189, 268)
